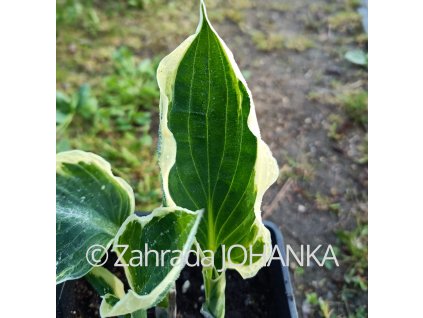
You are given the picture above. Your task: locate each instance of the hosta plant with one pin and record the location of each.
(212, 161)
(95, 209)
(212, 156)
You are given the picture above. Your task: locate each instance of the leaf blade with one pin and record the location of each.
(105, 282)
(91, 204)
(212, 156)
(165, 229)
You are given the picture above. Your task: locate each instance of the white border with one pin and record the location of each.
(27, 157)
(395, 158)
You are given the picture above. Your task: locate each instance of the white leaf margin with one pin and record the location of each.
(110, 279)
(132, 301)
(75, 157)
(266, 167)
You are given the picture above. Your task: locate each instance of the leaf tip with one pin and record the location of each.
(203, 15)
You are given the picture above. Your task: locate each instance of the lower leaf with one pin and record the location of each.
(106, 283)
(91, 205)
(153, 250)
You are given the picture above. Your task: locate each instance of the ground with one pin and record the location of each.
(311, 106)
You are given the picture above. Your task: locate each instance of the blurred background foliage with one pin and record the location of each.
(106, 96)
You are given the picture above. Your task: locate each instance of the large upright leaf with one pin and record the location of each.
(168, 231)
(211, 153)
(91, 205)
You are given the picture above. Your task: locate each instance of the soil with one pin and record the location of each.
(262, 296)
(251, 298)
(245, 298)
(77, 299)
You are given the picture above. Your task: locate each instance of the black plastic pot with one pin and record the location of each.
(268, 294)
(282, 282)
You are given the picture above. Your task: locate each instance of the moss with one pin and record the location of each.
(299, 43)
(335, 121)
(272, 40)
(363, 149)
(236, 16)
(241, 4)
(353, 4)
(345, 21)
(267, 42)
(361, 39)
(321, 8)
(280, 7)
(322, 97)
(217, 15)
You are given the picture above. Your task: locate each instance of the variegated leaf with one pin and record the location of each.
(91, 205)
(168, 231)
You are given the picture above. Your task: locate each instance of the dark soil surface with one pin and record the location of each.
(259, 297)
(244, 298)
(76, 299)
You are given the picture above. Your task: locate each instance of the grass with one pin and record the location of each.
(352, 254)
(352, 100)
(354, 104)
(326, 203)
(114, 121)
(319, 304)
(354, 246)
(85, 56)
(107, 96)
(296, 169)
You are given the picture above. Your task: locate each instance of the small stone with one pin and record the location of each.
(301, 208)
(72, 48)
(333, 70)
(185, 286)
(248, 301)
(306, 308)
(308, 121)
